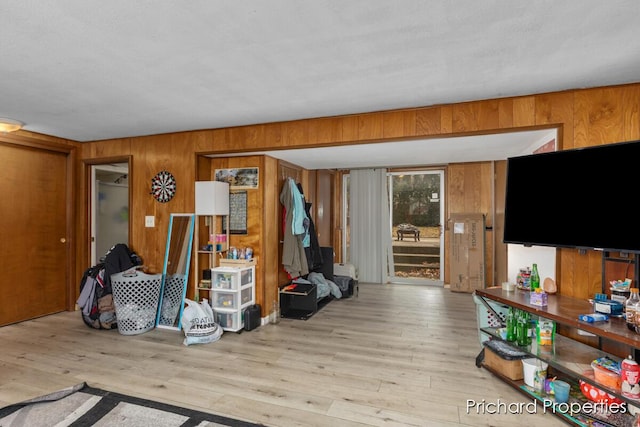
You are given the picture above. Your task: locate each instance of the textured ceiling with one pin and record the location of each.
(92, 69)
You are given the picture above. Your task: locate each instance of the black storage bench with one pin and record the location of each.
(298, 301)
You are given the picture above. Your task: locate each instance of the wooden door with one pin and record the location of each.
(323, 208)
(33, 247)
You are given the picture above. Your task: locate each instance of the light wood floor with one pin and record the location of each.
(397, 355)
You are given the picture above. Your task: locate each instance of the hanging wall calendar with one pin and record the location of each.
(237, 213)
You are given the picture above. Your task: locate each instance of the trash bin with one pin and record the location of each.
(501, 357)
(136, 296)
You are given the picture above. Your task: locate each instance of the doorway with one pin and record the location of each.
(416, 203)
(416, 210)
(36, 229)
(109, 208)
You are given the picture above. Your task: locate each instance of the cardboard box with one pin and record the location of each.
(538, 298)
(509, 368)
(467, 264)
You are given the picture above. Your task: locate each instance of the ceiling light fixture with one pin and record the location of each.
(10, 125)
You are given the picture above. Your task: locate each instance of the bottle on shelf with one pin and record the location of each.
(534, 280)
(522, 331)
(630, 308)
(511, 322)
(630, 376)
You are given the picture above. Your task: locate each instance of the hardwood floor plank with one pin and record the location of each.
(370, 415)
(396, 355)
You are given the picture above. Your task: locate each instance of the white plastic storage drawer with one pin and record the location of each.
(224, 300)
(231, 321)
(246, 276)
(246, 295)
(224, 280)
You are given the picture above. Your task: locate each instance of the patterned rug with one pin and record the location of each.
(82, 405)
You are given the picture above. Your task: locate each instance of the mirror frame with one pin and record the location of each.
(177, 323)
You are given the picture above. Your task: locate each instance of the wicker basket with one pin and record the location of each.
(136, 296)
(486, 319)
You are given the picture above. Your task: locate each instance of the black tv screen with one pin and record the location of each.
(580, 198)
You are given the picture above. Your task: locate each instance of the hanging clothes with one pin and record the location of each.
(313, 251)
(294, 259)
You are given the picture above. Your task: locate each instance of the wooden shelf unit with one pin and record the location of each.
(205, 259)
(568, 357)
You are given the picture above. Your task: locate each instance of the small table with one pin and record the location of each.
(408, 229)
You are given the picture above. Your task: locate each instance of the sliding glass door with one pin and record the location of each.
(417, 209)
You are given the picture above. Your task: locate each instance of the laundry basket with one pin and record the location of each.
(487, 319)
(136, 296)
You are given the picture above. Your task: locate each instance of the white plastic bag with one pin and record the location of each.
(199, 323)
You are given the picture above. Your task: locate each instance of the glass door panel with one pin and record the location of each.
(416, 226)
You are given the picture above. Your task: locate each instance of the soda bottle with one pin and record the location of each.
(630, 376)
(534, 280)
(630, 308)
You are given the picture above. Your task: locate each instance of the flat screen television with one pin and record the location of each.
(579, 198)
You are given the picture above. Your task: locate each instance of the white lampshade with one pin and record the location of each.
(212, 198)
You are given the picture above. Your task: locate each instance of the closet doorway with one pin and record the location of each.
(36, 228)
(109, 208)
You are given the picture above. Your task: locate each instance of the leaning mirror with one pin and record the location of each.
(175, 273)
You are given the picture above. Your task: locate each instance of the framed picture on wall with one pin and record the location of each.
(238, 178)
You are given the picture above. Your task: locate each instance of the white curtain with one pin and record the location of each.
(370, 240)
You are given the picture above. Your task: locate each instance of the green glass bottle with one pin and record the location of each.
(522, 333)
(511, 324)
(535, 278)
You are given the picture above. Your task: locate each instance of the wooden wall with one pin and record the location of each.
(261, 221)
(470, 189)
(584, 118)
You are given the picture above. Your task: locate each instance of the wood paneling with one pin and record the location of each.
(428, 121)
(584, 117)
(173, 153)
(524, 110)
(470, 190)
(500, 249)
(600, 116)
(557, 109)
(323, 207)
(269, 261)
(325, 130)
(255, 210)
(476, 116)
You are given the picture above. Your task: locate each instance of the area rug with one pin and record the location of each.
(82, 405)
